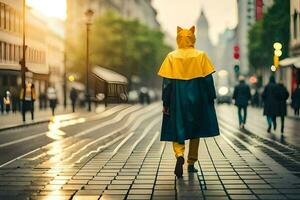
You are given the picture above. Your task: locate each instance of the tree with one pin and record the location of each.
(125, 46)
(274, 27)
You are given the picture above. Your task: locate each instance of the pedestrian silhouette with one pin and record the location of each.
(188, 99)
(271, 103)
(255, 99)
(52, 97)
(282, 95)
(7, 101)
(15, 101)
(296, 100)
(1, 101)
(242, 96)
(73, 97)
(28, 98)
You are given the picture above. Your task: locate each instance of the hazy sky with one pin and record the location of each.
(52, 8)
(220, 14)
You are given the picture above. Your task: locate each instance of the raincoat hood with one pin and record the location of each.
(185, 38)
(186, 62)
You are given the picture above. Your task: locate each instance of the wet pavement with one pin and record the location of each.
(117, 154)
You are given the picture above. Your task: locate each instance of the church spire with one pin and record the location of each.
(202, 21)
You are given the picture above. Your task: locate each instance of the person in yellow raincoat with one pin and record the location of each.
(188, 95)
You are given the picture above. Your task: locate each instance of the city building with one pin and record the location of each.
(246, 18)
(224, 57)
(289, 70)
(249, 11)
(11, 50)
(44, 52)
(203, 41)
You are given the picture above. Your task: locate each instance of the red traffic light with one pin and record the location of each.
(236, 48)
(236, 55)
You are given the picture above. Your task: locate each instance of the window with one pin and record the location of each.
(12, 20)
(17, 53)
(0, 51)
(11, 52)
(6, 52)
(13, 81)
(2, 15)
(7, 18)
(295, 24)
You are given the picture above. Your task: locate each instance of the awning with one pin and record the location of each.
(38, 68)
(109, 76)
(289, 62)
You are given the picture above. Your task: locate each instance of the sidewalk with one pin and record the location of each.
(14, 120)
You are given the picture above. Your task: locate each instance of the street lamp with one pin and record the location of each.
(277, 53)
(23, 60)
(89, 14)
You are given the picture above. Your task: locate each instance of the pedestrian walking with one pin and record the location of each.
(42, 101)
(14, 99)
(73, 97)
(52, 97)
(296, 100)
(1, 101)
(242, 96)
(282, 96)
(28, 98)
(188, 99)
(255, 99)
(7, 101)
(271, 103)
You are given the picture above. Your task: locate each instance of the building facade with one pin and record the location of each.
(44, 52)
(246, 18)
(11, 50)
(290, 67)
(224, 58)
(203, 41)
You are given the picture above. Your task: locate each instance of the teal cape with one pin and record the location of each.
(188, 92)
(191, 111)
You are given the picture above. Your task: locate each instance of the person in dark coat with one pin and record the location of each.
(1, 101)
(271, 103)
(296, 100)
(255, 99)
(242, 96)
(14, 99)
(188, 95)
(73, 97)
(282, 95)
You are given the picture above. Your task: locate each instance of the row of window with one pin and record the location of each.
(14, 53)
(295, 22)
(10, 19)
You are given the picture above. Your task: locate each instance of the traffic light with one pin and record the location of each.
(236, 56)
(236, 52)
(236, 68)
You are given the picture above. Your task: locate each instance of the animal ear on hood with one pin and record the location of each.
(192, 29)
(179, 29)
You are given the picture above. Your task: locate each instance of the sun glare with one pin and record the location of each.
(51, 8)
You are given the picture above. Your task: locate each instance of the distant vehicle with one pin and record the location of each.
(224, 91)
(143, 95)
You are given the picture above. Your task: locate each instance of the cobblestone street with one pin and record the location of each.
(121, 157)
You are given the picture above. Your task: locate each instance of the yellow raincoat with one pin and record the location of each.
(188, 92)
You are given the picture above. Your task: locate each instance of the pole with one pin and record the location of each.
(23, 61)
(65, 80)
(87, 67)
